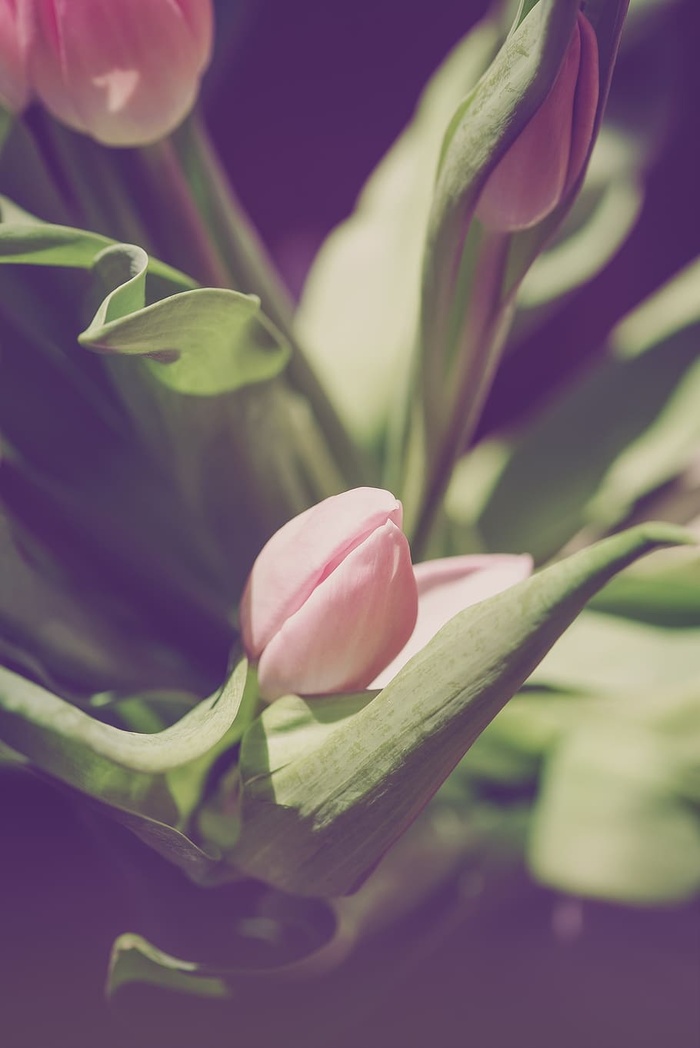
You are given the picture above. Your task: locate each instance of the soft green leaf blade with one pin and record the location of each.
(630, 657)
(611, 820)
(127, 771)
(319, 824)
(665, 593)
(26, 239)
(625, 428)
(200, 342)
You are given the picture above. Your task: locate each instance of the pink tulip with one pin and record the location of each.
(14, 44)
(548, 156)
(446, 587)
(331, 598)
(125, 72)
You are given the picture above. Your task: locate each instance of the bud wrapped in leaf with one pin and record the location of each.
(125, 72)
(332, 597)
(548, 156)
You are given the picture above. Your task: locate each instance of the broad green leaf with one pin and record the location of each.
(321, 822)
(607, 655)
(124, 770)
(625, 428)
(664, 593)
(200, 342)
(612, 819)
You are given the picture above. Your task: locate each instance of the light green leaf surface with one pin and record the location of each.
(321, 822)
(200, 342)
(613, 819)
(607, 655)
(627, 427)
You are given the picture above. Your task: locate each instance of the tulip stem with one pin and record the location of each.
(249, 268)
(90, 177)
(478, 341)
(180, 226)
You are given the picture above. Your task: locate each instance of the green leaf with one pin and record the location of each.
(612, 820)
(127, 771)
(135, 960)
(200, 342)
(26, 239)
(630, 658)
(665, 593)
(317, 825)
(625, 428)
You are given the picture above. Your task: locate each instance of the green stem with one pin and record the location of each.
(250, 269)
(479, 340)
(181, 230)
(92, 178)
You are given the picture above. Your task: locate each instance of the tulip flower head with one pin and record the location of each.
(125, 72)
(333, 603)
(331, 598)
(548, 156)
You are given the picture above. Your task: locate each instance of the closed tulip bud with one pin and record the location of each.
(331, 598)
(125, 72)
(547, 157)
(14, 42)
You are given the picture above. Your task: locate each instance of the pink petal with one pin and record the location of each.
(303, 553)
(448, 586)
(355, 621)
(124, 71)
(545, 160)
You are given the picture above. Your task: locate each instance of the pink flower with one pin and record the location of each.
(14, 44)
(546, 159)
(331, 598)
(448, 586)
(125, 72)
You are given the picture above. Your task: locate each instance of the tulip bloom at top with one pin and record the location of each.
(331, 598)
(125, 72)
(549, 154)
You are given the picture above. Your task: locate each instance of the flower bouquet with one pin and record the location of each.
(303, 641)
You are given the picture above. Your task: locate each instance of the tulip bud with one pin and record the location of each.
(331, 598)
(125, 72)
(548, 156)
(14, 42)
